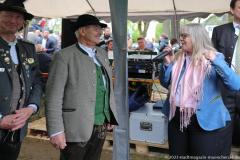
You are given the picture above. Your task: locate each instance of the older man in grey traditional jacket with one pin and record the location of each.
(80, 99)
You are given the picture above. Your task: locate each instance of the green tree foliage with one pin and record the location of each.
(159, 31)
(215, 20)
(133, 30)
(143, 27)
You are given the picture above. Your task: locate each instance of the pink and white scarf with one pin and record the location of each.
(191, 88)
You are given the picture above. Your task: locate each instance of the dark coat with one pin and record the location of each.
(50, 45)
(31, 75)
(224, 40)
(44, 62)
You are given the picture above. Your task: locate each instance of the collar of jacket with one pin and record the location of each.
(4, 43)
(78, 47)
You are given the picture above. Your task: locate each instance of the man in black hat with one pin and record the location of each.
(20, 87)
(80, 98)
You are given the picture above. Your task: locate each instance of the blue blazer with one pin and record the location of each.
(50, 45)
(211, 112)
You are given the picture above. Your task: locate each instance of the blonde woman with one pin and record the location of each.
(199, 123)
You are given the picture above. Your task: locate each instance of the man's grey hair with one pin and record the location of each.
(77, 33)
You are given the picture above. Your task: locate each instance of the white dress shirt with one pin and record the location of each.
(237, 30)
(91, 53)
(44, 42)
(13, 51)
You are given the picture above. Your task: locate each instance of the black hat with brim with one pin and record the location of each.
(16, 6)
(86, 20)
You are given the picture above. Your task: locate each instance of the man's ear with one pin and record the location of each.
(82, 31)
(25, 24)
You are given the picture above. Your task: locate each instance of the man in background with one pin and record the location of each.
(224, 39)
(142, 45)
(107, 35)
(48, 43)
(110, 50)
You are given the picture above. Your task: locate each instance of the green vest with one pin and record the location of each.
(102, 98)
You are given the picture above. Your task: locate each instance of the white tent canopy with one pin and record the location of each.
(139, 8)
(145, 10)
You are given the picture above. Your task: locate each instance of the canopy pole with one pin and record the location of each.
(25, 30)
(119, 11)
(175, 31)
(94, 12)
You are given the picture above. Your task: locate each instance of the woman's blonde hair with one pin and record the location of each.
(200, 39)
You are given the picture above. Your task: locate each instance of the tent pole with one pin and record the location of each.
(175, 32)
(119, 11)
(94, 12)
(25, 31)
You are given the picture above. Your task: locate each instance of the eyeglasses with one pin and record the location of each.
(184, 35)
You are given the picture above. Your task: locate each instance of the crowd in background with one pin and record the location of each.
(142, 43)
(48, 41)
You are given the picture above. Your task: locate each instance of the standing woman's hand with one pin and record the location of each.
(210, 55)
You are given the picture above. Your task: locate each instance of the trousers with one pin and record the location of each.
(195, 143)
(90, 150)
(9, 145)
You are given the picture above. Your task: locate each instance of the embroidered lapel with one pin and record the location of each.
(24, 61)
(5, 58)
